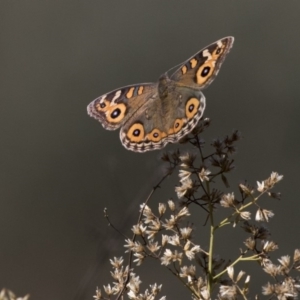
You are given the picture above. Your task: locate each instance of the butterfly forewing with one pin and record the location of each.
(202, 68)
(113, 109)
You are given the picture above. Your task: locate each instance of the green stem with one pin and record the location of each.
(227, 221)
(240, 258)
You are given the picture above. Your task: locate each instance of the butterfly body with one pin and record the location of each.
(152, 115)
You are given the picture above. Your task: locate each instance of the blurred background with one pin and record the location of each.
(59, 168)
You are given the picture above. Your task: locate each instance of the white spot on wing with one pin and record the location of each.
(117, 95)
(103, 98)
(207, 54)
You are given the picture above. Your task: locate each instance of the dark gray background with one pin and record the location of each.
(59, 168)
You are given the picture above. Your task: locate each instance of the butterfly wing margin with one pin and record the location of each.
(202, 68)
(113, 109)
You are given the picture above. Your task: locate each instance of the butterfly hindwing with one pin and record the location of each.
(163, 121)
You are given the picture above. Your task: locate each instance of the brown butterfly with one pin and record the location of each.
(152, 115)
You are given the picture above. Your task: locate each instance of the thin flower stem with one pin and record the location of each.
(112, 225)
(227, 221)
(176, 274)
(240, 258)
(211, 243)
(120, 296)
(199, 147)
(242, 293)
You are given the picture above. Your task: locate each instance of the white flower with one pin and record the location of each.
(260, 186)
(184, 175)
(203, 175)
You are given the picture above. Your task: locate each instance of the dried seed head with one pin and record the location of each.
(263, 215)
(246, 189)
(184, 174)
(187, 271)
(297, 255)
(250, 243)
(153, 246)
(261, 186)
(285, 261)
(169, 257)
(268, 289)
(117, 262)
(187, 160)
(171, 205)
(139, 229)
(186, 232)
(228, 200)
(174, 240)
(246, 215)
(164, 240)
(269, 246)
(203, 175)
(139, 258)
(182, 190)
(98, 295)
(161, 208)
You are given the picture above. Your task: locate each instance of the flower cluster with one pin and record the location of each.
(9, 295)
(289, 287)
(155, 243)
(166, 235)
(128, 282)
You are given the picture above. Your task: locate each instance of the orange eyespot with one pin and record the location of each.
(156, 135)
(116, 113)
(205, 71)
(218, 51)
(191, 107)
(136, 133)
(102, 105)
(177, 125)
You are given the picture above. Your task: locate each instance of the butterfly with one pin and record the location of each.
(151, 115)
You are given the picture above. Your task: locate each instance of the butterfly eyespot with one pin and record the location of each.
(219, 50)
(136, 133)
(191, 107)
(178, 124)
(116, 113)
(205, 71)
(100, 106)
(155, 135)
